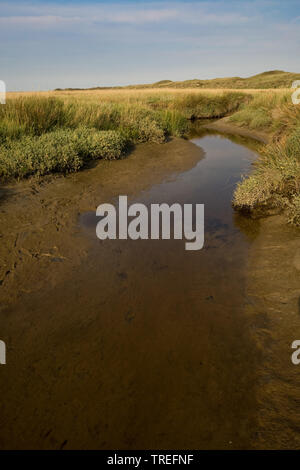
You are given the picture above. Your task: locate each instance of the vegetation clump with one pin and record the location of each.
(275, 182)
(63, 150)
(201, 106)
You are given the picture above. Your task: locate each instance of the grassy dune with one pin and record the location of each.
(62, 131)
(274, 79)
(266, 80)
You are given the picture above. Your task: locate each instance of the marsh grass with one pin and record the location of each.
(201, 106)
(263, 112)
(275, 182)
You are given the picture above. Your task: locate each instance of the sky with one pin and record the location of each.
(55, 44)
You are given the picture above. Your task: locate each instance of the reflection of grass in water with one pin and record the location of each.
(197, 129)
(221, 231)
(248, 226)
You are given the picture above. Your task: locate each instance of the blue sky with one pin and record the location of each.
(50, 44)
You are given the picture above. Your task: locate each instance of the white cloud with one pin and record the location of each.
(37, 20)
(140, 16)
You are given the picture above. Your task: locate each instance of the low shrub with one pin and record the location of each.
(58, 151)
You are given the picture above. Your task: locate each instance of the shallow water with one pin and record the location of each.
(210, 182)
(144, 344)
(186, 347)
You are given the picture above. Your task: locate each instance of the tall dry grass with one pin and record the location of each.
(133, 95)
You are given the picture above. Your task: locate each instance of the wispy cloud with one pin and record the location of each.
(37, 20)
(120, 13)
(139, 16)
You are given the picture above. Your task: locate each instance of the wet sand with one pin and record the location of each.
(38, 218)
(273, 285)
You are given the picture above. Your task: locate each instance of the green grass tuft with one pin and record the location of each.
(275, 182)
(58, 151)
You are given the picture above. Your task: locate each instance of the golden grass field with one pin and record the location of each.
(130, 95)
